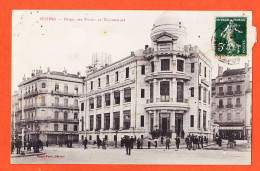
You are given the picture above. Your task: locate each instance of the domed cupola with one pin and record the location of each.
(168, 28)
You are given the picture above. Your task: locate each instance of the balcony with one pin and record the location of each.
(166, 103)
(221, 94)
(229, 122)
(238, 105)
(63, 106)
(65, 93)
(229, 93)
(229, 106)
(238, 92)
(220, 106)
(149, 101)
(164, 99)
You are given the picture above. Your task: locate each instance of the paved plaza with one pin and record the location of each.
(77, 155)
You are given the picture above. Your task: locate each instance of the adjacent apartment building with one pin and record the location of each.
(48, 106)
(165, 87)
(232, 102)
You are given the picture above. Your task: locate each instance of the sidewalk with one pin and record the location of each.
(27, 153)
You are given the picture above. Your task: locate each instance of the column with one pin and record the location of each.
(155, 124)
(154, 90)
(87, 124)
(172, 122)
(156, 65)
(174, 90)
(121, 123)
(102, 111)
(171, 91)
(133, 99)
(111, 110)
(95, 112)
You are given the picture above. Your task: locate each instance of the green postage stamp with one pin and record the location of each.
(231, 36)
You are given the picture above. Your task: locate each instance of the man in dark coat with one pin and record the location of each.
(85, 142)
(18, 146)
(195, 142)
(127, 145)
(122, 142)
(178, 141)
(182, 134)
(201, 142)
(47, 143)
(149, 144)
(138, 143)
(192, 140)
(161, 139)
(132, 142)
(187, 141)
(168, 141)
(99, 142)
(29, 145)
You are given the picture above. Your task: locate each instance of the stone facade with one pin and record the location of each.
(165, 87)
(48, 106)
(232, 102)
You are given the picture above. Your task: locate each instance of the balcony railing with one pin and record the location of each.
(164, 99)
(229, 93)
(65, 106)
(221, 94)
(149, 101)
(182, 100)
(64, 93)
(238, 92)
(220, 106)
(230, 121)
(229, 106)
(238, 105)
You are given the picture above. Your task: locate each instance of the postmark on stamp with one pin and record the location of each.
(231, 36)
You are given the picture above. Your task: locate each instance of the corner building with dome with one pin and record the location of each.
(164, 87)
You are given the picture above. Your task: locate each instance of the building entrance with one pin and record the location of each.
(164, 123)
(178, 123)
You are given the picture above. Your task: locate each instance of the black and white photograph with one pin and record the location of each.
(131, 87)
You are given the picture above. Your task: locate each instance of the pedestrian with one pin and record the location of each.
(47, 143)
(187, 141)
(127, 145)
(182, 133)
(12, 146)
(29, 145)
(122, 142)
(149, 144)
(132, 142)
(142, 142)
(155, 143)
(192, 140)
(161, 139)
(104, 144)
(85, 143)
(177, 139)
(198, 140)
(70, 143)
(201, 142)
(195, 143)
(99, 142)
(40, 144)
(138, 143)
(18, 146)
(219, 141)
(24, 144)
(168, 141)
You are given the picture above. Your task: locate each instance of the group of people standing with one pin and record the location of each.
(195, 142)
(28, 145)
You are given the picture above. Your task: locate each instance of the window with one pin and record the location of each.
(192, 91)
(192, 68)
(82, 107)
(82, 123)
(220, 89)
(43, 100)
(116, 120)
(56, 127)
(199, 113)
(65, 115)
(165, 64)
(180, 65)
(238, 101)
(220, 103)
(127, 94)
(143, 70)
(56, 114)
(106, 137)
(66, 102)
(205, 72)
(180, 92)
(90, 137)
(204, 95)
(229, 101)
(209, 98)
(204, 119)
(127, 72)
(99, 82)
(238, 87)
(199, 68)
(99, 101)
(91, 85)
(199, 92)
(75, 115)
(65, 127)
(75, 128)
(164, 91)
(127, 119)
(76, 90)
(229, 89)
(117, 76)
(142, 93)
(229, 116)
(98, 122)
(91, 103)
(191, 120)
(117, 97)
(107, 79)
(107, 99)
(152, 66)
(91, 122)
(56, 101)
(151, 92)
(107, 121)
(56, 87)
(220, 117)
(43, 85)
(142, 121)
(66, 89)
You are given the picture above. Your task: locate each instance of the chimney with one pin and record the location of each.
(24, 78)
(146, 46)
(220, 70)
(48, 69)
(132, 53)
(65, 71)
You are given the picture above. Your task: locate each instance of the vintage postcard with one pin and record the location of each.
(131, 87)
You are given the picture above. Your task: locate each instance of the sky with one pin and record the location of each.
(67, 39)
